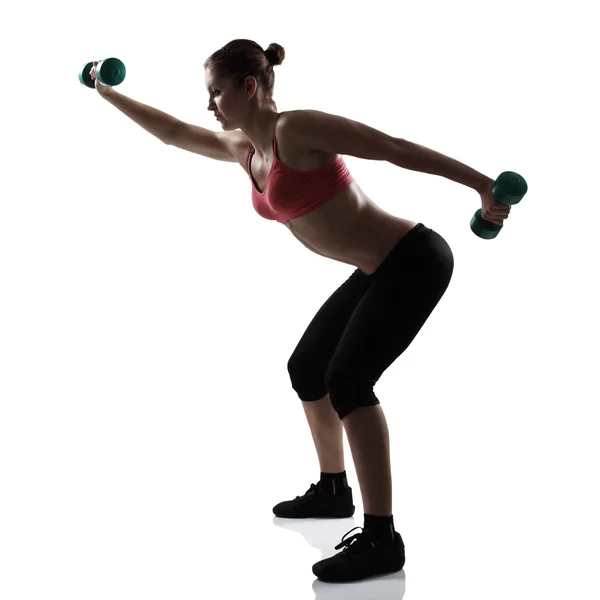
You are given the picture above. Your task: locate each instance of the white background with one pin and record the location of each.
(147, 313)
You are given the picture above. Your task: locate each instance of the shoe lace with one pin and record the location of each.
(310, 492)
(353, 543)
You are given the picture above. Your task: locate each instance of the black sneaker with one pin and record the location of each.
(363, 556)
(316, 503)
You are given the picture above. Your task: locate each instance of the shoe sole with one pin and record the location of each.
(339, 515)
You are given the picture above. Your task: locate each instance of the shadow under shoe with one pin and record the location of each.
(317, 503)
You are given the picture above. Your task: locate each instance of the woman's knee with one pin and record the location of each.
(294, 367)
(307, 380)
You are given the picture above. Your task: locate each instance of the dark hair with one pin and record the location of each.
(240, 58)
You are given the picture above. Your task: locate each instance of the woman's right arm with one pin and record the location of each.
(221, 145)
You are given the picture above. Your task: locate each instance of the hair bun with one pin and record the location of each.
(275, 54)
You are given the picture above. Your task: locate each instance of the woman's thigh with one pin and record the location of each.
(310, 359)
(402, 296)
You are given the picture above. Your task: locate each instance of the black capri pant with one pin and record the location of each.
(369, 321)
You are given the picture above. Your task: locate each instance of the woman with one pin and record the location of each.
(298, 178)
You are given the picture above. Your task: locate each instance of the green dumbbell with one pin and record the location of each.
(508, 189)
(110, 71)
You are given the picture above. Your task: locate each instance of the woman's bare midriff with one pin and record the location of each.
(349, 228)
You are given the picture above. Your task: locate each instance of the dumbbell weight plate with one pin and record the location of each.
(111, 71)
(486, 230)
(84, 75)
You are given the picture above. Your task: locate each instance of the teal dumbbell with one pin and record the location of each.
(508, 189)
(110, 71)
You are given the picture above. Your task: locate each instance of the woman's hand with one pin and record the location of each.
(492, 210)
(103, 90)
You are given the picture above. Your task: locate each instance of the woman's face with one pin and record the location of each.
(223, 99)
(216, 99)
(230, 105)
